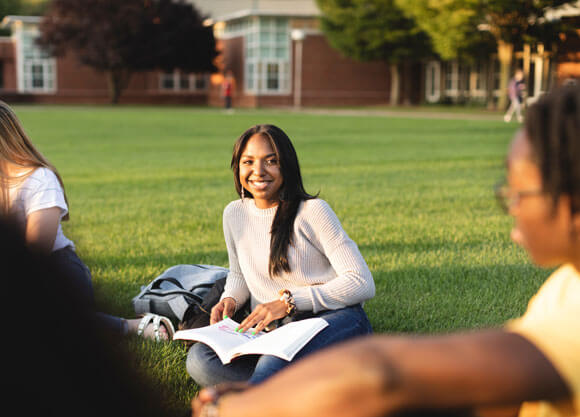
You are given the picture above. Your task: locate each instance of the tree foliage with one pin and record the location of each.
(452, 26)
(123, 37)
(22, 7)
(368, 30)
(513, 21)
(469, 28)
(372, 30)
(8, 7)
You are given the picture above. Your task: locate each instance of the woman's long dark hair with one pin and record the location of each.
(553, 128)
(291, 193)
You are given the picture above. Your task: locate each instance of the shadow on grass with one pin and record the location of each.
(453, 247)
(426, 299)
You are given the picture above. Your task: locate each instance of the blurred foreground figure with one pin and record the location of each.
(60, 361)
(531, 367)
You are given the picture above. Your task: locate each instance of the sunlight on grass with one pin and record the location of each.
(147, 187)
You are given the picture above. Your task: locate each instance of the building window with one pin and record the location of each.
(181, 82)
(463, 79)
(432, 82)
(267, 54)
(36, 68)
(496, 74)
(451, 79)
(273, 79)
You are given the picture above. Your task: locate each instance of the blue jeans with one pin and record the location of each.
(69, 262)
(205, 367)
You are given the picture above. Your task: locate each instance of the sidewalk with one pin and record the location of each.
(406, 113)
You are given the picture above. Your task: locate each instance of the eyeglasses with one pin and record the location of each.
(507, 198)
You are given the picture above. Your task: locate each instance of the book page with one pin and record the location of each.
(284, 342)
(221, 337)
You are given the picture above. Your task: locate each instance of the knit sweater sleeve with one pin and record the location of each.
(353, 283)
(236, 286)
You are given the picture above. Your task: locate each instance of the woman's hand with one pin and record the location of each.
(263, 315)
(224, 308)
(212, 394)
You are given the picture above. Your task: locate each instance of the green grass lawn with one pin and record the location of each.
(147, 187)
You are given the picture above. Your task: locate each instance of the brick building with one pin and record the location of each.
(29, 74)
(456, 81)
(278, 57)
(274, 48)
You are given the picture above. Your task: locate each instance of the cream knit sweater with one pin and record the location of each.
(328, 271)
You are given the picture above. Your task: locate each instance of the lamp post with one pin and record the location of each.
(298, 37)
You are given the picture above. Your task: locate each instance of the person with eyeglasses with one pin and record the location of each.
(530, 367)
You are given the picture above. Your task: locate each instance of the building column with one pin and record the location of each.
(298, 38)
(539, 71)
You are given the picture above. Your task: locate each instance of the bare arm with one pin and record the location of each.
(381, 375)
(41, 228)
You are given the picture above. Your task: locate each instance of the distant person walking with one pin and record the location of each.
(516, 88)
(227, 89)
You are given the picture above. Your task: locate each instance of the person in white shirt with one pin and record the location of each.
(289, 258)
(32, 194)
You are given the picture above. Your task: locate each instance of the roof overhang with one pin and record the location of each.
(10, 21)
(251, 12)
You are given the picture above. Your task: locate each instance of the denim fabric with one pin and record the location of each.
(69, 262)
(204, 366)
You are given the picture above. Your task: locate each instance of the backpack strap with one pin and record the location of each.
(158, 282)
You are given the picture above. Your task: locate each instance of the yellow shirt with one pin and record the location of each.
(552, 324)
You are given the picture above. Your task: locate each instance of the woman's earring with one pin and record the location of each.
(242, 193)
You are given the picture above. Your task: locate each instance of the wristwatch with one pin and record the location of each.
(288, 299)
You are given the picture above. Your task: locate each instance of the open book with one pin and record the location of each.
(284, 342)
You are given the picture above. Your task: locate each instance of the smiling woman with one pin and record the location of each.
(259, 172)
(289, 257)
(530, 368)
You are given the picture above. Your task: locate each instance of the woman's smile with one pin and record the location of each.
(260, 172)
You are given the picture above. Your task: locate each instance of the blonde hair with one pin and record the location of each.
(17, 149)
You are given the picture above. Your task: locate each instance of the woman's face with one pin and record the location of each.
(543, 229)
(260, 171)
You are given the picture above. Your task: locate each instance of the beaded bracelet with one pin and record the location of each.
(288, 299)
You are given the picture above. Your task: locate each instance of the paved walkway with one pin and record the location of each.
(410, 113)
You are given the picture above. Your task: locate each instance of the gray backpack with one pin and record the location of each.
(178, 287)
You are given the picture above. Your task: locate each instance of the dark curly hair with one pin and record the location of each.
(552, 126)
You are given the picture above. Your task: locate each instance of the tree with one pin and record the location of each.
(8, 7)
(511, 22)
(455, 28)
(452, 26)
(368, 30)
(119, 38)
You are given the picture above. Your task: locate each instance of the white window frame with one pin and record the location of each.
(433, 82)
(35, 57)
(452, 78)
(477, 74)
(259, 54)
(176, 76)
